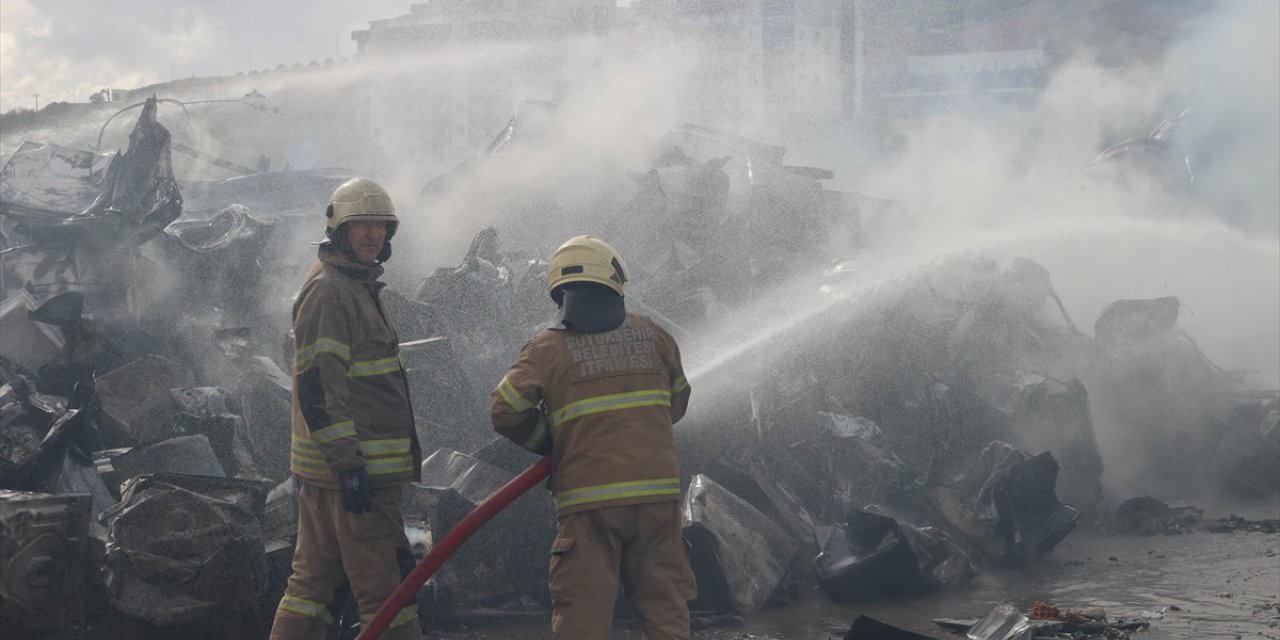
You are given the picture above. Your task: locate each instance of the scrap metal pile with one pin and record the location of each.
(144, 394)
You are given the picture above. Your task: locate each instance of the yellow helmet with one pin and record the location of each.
(360, 199)
(587, 259)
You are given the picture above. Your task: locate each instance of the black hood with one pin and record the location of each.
(592, 310)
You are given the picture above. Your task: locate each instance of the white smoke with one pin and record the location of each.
(1014, 183)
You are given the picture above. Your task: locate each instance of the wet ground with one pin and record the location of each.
(1195, 585)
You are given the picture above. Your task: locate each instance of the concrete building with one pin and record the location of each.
(760, 65)
(463, 104)
(908, 59)
(443, 23)
(756, 60)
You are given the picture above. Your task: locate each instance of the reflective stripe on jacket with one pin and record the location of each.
(604, 405)
(350, 397)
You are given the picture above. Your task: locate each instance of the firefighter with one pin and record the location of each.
(599, 393)
(354, 442)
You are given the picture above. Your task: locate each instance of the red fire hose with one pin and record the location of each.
(450, 543)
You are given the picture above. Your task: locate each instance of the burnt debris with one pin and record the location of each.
(944, 428)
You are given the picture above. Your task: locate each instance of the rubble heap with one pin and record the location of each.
(943, 428)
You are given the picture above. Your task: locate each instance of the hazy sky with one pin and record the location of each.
(65, 50)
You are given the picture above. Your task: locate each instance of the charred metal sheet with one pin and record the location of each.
(185, 454)
(10, 405)
(273, 193)
(135, 398)
(1052, 415)
(1161, 157)
(39, 431)
(234, 233)
(22, 467)
(857, 220)
(437, 377)
(1172, 408)
(1031, 520)
(47, 182)
(978, 484)
(42, 179)
(1247, 460)
(93, 248)
(874, 555)
(24, 341)
(260, 390)
(738, 554)
(186, 550)
(536, 123)
(62, 311)
(138, 195)
(1007, 505)
(772, 211)
(219, 258)
(941, 560)
(677, 228)
(208, 411)
(487, 282)
(212, 159)
(872, 472)
(472, 479)
(1133, 322)
(139, 186)
(867, 628)
(77, 473)
(488, 302)
(1005, 622)
(238, 347)
(703, 141)
(767, 478)
(783, 501)
(854, 465)
(46, 561)
(103, 276)
(19, 444)
(867, 557)
(504, 565)
(280, 516)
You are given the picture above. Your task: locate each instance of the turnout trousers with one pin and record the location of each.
(638, 546)
(369, 549)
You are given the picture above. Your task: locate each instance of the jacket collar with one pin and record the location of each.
(338, 259)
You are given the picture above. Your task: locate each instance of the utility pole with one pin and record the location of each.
(37, 97)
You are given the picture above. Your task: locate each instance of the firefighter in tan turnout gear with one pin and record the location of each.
(354, 442)
(600, 393)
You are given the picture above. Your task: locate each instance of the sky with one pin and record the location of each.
(65, 50)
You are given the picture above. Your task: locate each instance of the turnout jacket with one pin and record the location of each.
(350, 397)
(603, 404)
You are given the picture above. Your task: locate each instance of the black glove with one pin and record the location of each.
(357, 493)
